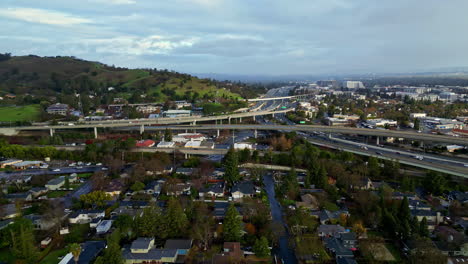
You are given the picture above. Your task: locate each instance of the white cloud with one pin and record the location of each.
(43, 16)
(131, 45)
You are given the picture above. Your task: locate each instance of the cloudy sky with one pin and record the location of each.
(277, 37)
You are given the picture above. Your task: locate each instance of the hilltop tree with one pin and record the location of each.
(137, 186)
(232, 225)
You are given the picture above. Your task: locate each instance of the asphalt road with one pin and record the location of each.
(63, 170)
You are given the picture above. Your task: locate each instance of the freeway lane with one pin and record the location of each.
(389, 154)
(326, 129)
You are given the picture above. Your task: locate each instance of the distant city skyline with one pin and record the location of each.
(241, 37)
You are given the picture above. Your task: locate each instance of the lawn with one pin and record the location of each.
(376, 251)
(53, 257)
(19, 113)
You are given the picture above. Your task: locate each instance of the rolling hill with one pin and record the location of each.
(35, 79)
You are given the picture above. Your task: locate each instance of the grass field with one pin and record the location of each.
(53, 257)
(19, 113)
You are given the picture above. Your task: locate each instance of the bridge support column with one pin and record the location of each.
(240, 119)
(229, 120)
(254, 118)
(255, 133)
(142, 129)
(95, 132)
(378, 140)
(186, 156)
(51, 131)
(194, 123)
(217, 133)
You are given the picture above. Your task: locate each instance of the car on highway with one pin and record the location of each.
(56, 170)
(398, 153)
(466, 165)
(418, 157)
(378, 153)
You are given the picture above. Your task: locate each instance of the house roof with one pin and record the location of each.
(89, 251)
(331, 229)
(56, 181)
(215, 188)
(416, 212)
(344, 260)
(141, 243)
(153, 254)
(23, 195)
(245, 187)
(336, 246)
(178, 244)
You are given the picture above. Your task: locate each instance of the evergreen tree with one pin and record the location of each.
(112, 254)
(417, 124)
(374, 167)
(232, 225)
(404, 213)
(260, 247)
(23, 244)
(168, 135)
(231, 164)
(176, 219)
(423, 229)
(414, 226)
(66, 185)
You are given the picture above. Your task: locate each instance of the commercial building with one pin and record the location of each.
(58, 109)
(353, 85)
(148, 109)
(381, 122)
(9, 162)
(166, 144)
(177, 113)
(145, 143)
(27, 164)
(241, 145)
(417, 115)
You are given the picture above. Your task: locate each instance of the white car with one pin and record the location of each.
(56, 170)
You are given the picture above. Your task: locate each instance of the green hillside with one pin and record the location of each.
(43, 80)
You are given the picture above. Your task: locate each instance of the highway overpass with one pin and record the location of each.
(306, 128)
(327, 129)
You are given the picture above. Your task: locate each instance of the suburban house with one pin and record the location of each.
(8, 211)
(154, 187)
(39, 222)
(114, 188)
(38, 191)
(178, 189)
(243, 189)
(330, 230)
(104, 226)
(181, 245)
(24, 196)
(326, 216)
(58, 109)
(232, 253)
(433, 218)
(89, 251)
(142, 251)
(55, 183)
(220, 209)
(85, 216)
(215, 190)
